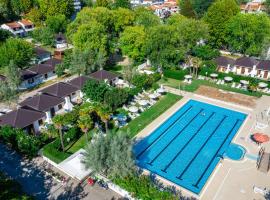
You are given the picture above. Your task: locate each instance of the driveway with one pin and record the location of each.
(36, 183)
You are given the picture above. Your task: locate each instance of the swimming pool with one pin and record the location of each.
(235, 152)
(186, 148)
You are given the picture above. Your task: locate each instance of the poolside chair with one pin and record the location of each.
(238, 86)
(141, 95)
(222, 82)
(218, 82)
(259, 190)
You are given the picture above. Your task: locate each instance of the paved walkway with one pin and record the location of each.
(34, 181)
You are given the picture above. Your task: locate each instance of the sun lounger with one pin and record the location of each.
(233, 85)
(260, 190)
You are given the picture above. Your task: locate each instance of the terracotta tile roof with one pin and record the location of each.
(26, 22)
(21, 117)
(14, 25)
(42, 102)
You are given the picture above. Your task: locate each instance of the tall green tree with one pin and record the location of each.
(111, 155)
(186, 9)
(103, 3)
(121, 4)
(58, 122)
(132, 42)
(145, 17)
(201, 6)
(57, 23)
(13, 75)
(95, 90)
(18, 50)
(4, 35)
(245, 33)
(55, 7)
(217, 16)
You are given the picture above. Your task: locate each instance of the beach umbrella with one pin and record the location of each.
(228, 78)
(188, 76)
(214, 75)
(143, 102)
(133, 109)
(244, 82)
(262, 85)
(152, 96)
(260, 137)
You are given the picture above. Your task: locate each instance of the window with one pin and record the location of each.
(73, 94)
(45, 76)
(60, 106)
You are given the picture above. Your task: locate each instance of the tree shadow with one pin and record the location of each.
(32, 178)
(73, 192)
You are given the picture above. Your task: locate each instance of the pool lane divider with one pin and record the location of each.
(179, 152)
(199, 180)
(150, 163)
(177, 119)
(206, 141)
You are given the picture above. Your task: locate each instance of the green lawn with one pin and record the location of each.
(136, 125)
(197, 83)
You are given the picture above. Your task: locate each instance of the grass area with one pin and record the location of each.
(79, 144)
(139, 123)
(197, 83)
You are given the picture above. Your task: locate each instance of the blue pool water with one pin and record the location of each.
(235, 152)
(186, 148)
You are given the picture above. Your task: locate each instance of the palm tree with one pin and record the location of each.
(104, 115)
(58, 121)
(197, 62)
(85, 123)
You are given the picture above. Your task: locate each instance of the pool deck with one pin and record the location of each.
(230, 179)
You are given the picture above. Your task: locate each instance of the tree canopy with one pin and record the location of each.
(18, 50)
(217, 16)
(111, 155)
(245, 33)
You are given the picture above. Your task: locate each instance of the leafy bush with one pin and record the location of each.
(142, 187)
(205, 52)
(95, 90)
(145, 81)
(21, 141)
(115, 97)
(175, 74)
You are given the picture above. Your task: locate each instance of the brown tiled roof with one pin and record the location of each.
(26, 22)
(79, 81)
(60, 89)
(21, 117)
(42, 102)
(224, 61)
(42, 68)
(27, 74)
(53, 61)
(264, 65)
(40, 51)
(103, 74)
(246, 62)
(14, 25)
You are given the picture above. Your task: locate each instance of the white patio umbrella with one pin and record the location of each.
(152, 96)
(228, 78)
(188, 76)
(214, 75)
(262, 85)
(244, 82)
(143, 102)
(133, 109)
(161, 90)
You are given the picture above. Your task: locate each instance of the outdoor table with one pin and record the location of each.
(228, 78)
(133, 109)
(262, 85)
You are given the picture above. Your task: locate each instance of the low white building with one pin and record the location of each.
(20, 28)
